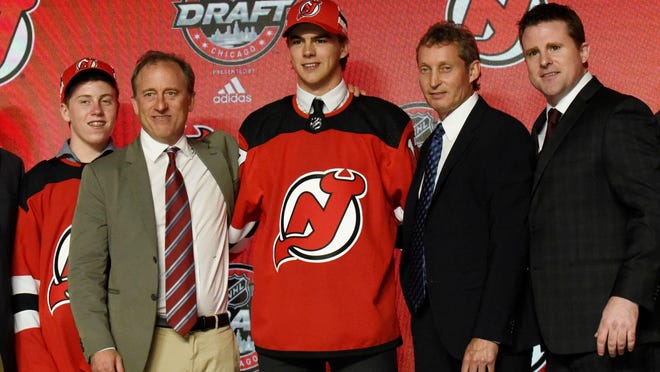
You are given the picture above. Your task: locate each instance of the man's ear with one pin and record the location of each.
(64, 112)
(474, 70)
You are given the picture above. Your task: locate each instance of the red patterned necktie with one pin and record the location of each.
(181, 300)
(553, 118)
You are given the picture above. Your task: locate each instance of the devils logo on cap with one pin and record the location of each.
(86, 63)
(309, 8)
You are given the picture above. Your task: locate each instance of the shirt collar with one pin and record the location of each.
(153, 149)
(67, 153)
(332, 100)
(565, 102)
(453, 123)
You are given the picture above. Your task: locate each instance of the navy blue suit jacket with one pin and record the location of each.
(475, 235)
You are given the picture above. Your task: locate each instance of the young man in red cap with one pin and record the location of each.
(323, 260)
(46, 335)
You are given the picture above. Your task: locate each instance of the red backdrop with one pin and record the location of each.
(227, 39)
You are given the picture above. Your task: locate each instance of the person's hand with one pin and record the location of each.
(355, 90)
(107, 361)
(617, 328)
(480, 356)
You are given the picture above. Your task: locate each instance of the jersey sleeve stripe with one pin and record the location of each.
(26, 319)
(24, 284)
(23, 301)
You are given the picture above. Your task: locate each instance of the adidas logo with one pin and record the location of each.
(232, 92)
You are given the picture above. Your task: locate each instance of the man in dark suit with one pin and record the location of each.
(126, 265)
(464, 233)
(11, 172)
(595, 212)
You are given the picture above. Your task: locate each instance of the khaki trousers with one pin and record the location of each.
(212, 350)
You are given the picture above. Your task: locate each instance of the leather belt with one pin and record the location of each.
(204, 323)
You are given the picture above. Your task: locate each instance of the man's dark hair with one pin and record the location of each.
(443, 33)
(85, 77)
(155, 56)
(553, 12)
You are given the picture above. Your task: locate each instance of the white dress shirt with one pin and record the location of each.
(332, 100)
(452, 125)
(209, 223)
(563, 105)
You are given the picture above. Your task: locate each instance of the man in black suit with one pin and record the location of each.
(11, 172)
(595, 211)
(465, 239)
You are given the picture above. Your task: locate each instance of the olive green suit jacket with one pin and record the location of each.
(113, 267)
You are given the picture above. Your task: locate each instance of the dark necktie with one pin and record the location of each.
(181, 299)
(418, 261)
(553, 118)
(316, 117)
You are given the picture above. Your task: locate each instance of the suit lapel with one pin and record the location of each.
(465, 137)
(415, 184)
(566, 123)
(536, 129)
(136, 177)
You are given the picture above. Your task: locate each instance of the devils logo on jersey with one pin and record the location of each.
(321, 217)
(58, 290)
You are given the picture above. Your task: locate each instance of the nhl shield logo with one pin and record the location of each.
(230, 32)
(240, 297)
(424, 120)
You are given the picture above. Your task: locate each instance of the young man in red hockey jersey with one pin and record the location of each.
(325, 174)
(46, 335)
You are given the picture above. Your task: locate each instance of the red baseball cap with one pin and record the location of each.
(86, 63)
(323, 13)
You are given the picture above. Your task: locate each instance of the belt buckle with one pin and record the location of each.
(217, 320)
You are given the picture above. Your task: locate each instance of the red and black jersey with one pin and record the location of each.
(325, 200)
(46, 335)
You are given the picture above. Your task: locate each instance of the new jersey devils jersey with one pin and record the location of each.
(325, 201)
(46, 335)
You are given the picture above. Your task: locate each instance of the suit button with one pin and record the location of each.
(155, 259)
(154, 297)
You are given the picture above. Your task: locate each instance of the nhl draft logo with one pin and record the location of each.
(424, 120)
(231, 32)
(321, 217)
(58, 289)
(16, 37)
(491, 23)
(240, 297)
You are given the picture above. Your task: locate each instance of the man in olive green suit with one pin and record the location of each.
(117, 274)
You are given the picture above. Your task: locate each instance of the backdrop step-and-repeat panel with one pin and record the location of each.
(241, 63)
